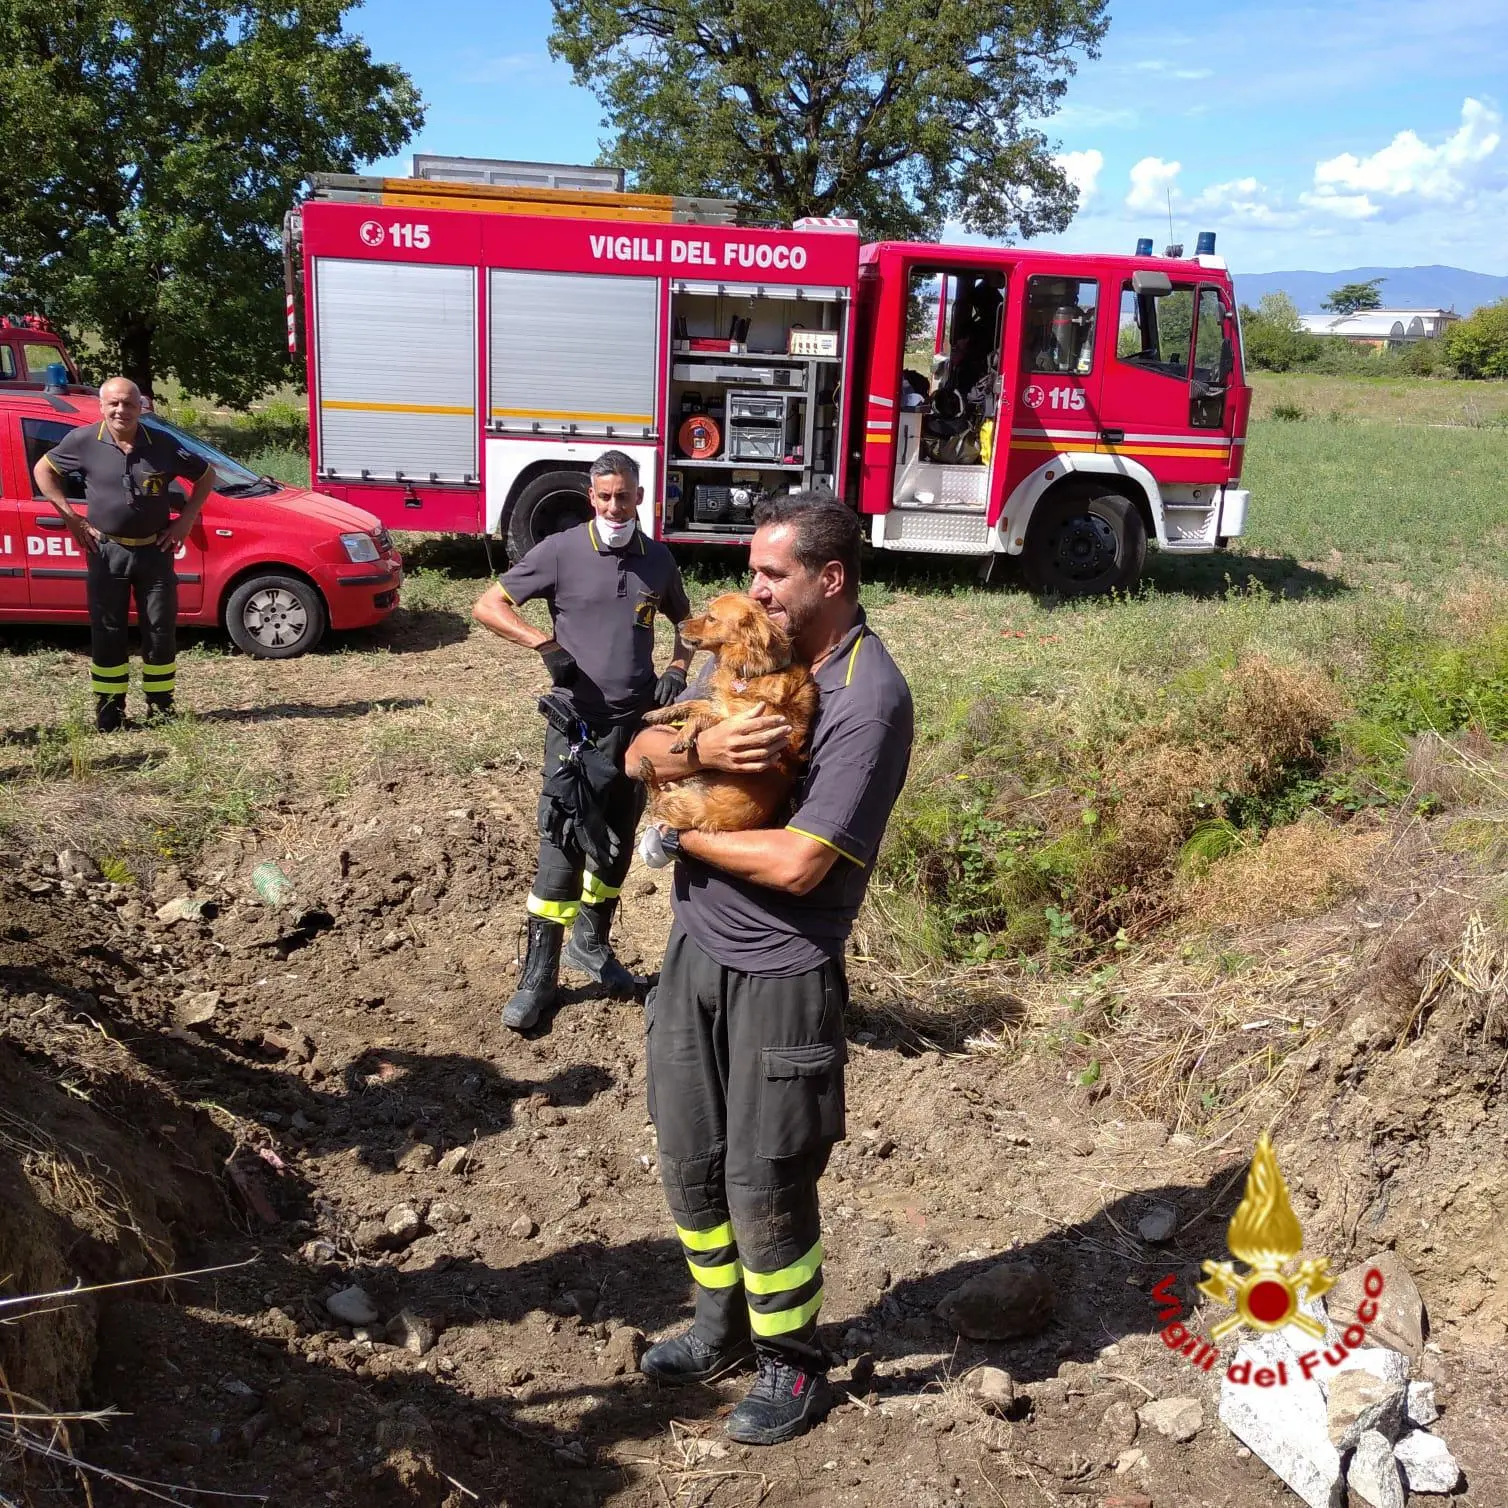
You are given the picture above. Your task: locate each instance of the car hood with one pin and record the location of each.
(343, 517)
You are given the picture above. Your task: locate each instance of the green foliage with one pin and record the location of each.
(1288, 413)
(903, 114)
(1478, 347)
(1272, 337)
(1351, 298)
(149, 154)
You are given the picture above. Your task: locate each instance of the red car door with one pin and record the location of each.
(12, 546)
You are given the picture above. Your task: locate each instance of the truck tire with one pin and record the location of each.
(275, 617)
(1084, 544)
(552, 502)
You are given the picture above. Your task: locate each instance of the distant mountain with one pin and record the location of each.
(1405, 288)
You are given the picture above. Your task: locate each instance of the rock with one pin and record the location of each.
(622, 1352)
(993, 1387)
(1179, 1419)
(77, 865)
(288, 1402)
(1373, 1473)
(403, 1225)
(1420, 1407)
(1007, 1301)
(291, 1044)
(182, 908)
(196, 1009)
(352, 1306)
(455, 1161)
(1358, 1402)
(411, 1331)
(1118, 1425)
(418, 1158)
(1400, 1310)
(1428, 1465)
(369, 1334)
(523, 1229)
(371, 1236)
(1285, 1426)
(1390, 1366)
(1158, 1224)
(1130, 1460)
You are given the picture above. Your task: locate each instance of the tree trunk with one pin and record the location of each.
(136, 356)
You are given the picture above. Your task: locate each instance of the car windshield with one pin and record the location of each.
(231, 478)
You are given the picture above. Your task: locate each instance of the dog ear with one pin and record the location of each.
(763, 646)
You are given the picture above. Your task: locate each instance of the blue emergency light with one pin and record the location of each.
(1144, 246)
(56, 377)
(1206, 246)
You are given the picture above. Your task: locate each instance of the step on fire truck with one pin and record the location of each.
(472, 347)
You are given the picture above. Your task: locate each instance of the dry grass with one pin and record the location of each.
(1294, 871)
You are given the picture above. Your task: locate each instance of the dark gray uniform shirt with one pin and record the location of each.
(128, 493)
(859, 751)
(603, 604)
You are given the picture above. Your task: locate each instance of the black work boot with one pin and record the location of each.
(783, 1403)
(109, 713)
(688, 1358)
(160, 707)
(591, 952)
(540, 982)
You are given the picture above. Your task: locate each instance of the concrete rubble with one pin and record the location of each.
(1352, 1431)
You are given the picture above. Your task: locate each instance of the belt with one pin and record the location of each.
(129, 541)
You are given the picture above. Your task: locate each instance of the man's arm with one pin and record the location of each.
(49, 482)
(496, 613)
(774, 857)
(178, 531)
(742, 745)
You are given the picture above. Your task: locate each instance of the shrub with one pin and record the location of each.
(1478, 347)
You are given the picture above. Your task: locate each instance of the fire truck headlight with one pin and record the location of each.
(359, 547)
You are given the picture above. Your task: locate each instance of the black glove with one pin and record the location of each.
(669, 686)
(561, 665)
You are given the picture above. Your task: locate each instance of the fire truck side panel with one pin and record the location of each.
(397, 364)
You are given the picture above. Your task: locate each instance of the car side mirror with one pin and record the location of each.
(1146, 280)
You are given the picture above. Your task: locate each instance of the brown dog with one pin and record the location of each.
(753, 669)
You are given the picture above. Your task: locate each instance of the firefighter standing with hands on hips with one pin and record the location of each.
(604, 583)
(128, 541)
(745, 1039)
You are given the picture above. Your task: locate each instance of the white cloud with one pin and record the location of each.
(1167, 70)
(1243, 201)
(1408, 174)
(1151, 181)
(1082, 170)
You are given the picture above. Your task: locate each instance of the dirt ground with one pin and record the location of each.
(320, 1094)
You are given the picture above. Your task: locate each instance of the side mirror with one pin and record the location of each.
(1147, 280)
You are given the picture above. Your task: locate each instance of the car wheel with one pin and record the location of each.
(552, 502)
(275, 617)
(1083, 544)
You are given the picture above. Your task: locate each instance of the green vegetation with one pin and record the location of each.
(904, 114)
(1351, 298)
(201, 122)
(1478, 347)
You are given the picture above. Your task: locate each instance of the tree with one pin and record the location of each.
(1478, 347)
(901, 113)
(150, 149)
(1352, 298)
(1273, 338)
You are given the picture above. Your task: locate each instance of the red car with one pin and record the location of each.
(273, 565)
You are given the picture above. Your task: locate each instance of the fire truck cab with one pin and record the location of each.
(472, 347)
(33, 355)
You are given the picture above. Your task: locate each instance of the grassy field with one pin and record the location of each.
(1081, 770)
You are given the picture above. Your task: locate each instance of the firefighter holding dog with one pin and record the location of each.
(745, 1035)
(128, 540)
(605, 583)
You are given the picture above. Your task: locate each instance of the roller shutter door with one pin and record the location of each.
(397, 370)
(573, 353)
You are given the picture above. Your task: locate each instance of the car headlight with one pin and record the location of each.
(359, 547)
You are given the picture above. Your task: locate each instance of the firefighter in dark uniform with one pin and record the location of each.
(604, 583)
(128, 541)
(745, 1038)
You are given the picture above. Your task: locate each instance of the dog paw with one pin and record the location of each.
(646, 770)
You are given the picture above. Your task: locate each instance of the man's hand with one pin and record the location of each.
(561, 665)
(171, 539)
(85, 536)
(744, 745)
(669, 686)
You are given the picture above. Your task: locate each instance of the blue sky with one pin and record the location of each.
(1361, 132)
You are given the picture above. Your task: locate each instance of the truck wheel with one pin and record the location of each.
(275, 617)
(1083, 544)
(552, 502)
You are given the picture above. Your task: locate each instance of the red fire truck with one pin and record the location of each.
(471, 348)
